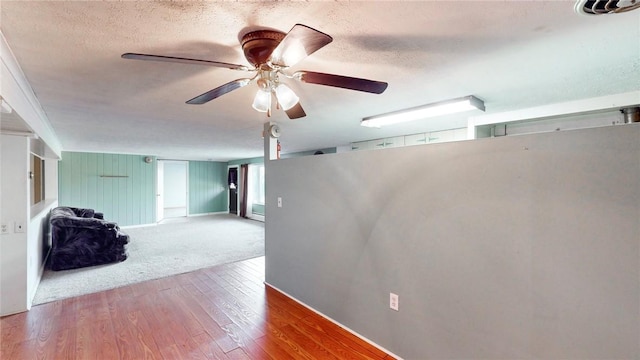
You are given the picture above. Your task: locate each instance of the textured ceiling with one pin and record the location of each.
(512, 54)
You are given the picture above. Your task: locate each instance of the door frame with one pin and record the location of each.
(237, 167)
(160, 196)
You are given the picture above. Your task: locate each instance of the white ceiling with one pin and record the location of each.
(13, 123)
(511, 54)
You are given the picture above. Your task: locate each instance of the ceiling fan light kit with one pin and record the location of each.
(286, 97)
(272, 52)
(262, 101)
(425, 111)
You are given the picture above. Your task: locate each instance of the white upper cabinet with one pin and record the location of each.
(392, 142)
(413, 139)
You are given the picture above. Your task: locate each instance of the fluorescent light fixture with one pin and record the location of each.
(286, 97)
(262, 101)
(425, 111)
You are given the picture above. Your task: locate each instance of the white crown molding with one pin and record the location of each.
(17, 92)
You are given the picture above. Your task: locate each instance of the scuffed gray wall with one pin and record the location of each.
(516, 247)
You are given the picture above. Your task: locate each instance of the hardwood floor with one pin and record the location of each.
(223, 312)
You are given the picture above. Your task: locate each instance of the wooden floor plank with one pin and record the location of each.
(277, 337)
(23, 350)
(133, 336)
(65, 344)
(335, 332)
(245, 342)
(210, 347)
(239, 354)
(335, 345)
(223, 312)
(310, 346)
(272, 348)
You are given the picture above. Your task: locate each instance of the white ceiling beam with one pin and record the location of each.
(17, 92)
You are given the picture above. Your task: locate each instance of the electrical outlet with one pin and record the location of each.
(394, 301)
(279, 201)
(18, 227)
(4, 229)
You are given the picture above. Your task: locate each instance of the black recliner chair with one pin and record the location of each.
(81, 238)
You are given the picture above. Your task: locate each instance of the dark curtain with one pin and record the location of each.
(244, 179)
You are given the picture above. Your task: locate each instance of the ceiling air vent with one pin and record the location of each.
(600, 7)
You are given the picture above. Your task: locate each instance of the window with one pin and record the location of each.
(257, 183)
(36, 176)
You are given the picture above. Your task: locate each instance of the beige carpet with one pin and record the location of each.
(174, 247)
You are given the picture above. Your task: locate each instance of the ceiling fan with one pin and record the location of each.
(271, 52)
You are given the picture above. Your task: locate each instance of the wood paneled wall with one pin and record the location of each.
(207, 187)
(120, 186)
(123, 187)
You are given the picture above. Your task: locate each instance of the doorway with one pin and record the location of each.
(172, 199)
(233, 190)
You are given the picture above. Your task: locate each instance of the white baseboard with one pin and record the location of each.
(335, 322)
(188, 216)
(210, 213)
(137, 226)
(256, 217)
(40, 274)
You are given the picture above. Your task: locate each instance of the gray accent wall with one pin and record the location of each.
(521, 247)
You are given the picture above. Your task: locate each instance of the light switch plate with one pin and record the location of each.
(394, 302)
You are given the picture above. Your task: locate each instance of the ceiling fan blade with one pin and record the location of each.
(296, 112)
(219, 91)
(300, 42)
(173, 59)
(345, 82)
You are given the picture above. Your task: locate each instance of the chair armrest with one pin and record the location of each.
(83, 212)
(87, 223)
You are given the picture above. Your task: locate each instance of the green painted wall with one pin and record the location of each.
(207, 187)
(86, 180)
(257, 209)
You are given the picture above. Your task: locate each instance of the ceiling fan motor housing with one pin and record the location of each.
(258, 45)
